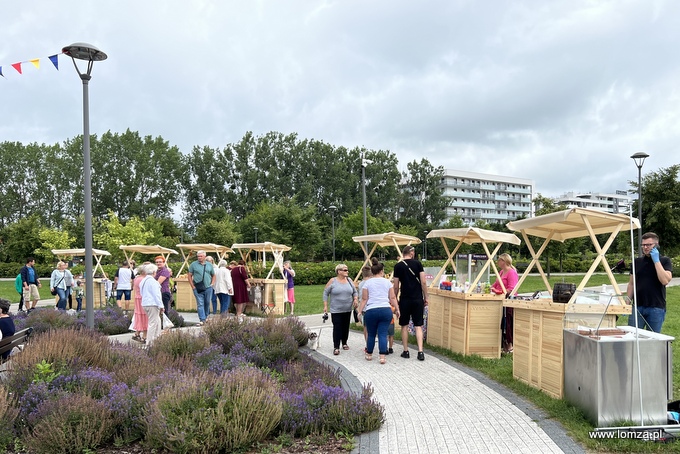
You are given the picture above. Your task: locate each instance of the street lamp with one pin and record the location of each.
(364, 163)
(255, 229)
(639, 159)
(89, 53)
(332, 209)
(425, 245)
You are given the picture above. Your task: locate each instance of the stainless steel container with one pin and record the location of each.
(601, 375)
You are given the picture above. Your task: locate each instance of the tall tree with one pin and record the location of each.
(661, 207)
(421, 197)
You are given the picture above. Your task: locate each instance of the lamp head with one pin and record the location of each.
(639, 158)
(84, 51)
(332, 208)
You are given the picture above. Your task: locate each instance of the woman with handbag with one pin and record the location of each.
(343, 298)
(241, 284)
(58, 284)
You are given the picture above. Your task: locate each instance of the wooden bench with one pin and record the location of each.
(8, 343)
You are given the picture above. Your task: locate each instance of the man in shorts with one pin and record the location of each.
(409, 275)
(123, 284)
(31, 283)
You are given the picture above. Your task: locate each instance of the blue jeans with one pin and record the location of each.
(225, 299)
(652, 317)
(61, 304)
(214, 301)
(377, 321)
(79, 299)
(203, 303)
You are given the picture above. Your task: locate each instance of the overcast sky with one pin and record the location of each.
(559, 91)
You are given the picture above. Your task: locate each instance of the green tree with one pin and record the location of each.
(661, 207)
(113, 234)
(52, 239)
(352, 225)
(20, 239)
(421, 197)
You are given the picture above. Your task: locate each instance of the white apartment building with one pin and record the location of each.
(491, 198)
(618, 202)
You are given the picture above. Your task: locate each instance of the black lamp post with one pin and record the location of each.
(364, 163)
(639, 159)
(89, 53)
(255, 229)
(425, 245)
(332, 209)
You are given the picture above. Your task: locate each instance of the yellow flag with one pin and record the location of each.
(36, 62)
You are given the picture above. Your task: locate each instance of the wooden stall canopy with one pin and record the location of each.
(188, 250)
(276, 250)
(573, 223)
(384, 240)
(472, 235)
(96, 253)
(132, 249)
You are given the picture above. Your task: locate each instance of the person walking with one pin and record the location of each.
(163, 276)
(241, 284)
(31, 284)
(58, 284)
(223, 285)
(70, 281)
(409, 277)
(507, 275)
(288, 274)
(152, 302)
(201, 277)
(140, 323)
(377, 301)
(343, 298)
(213, 298)
(653, 272)
(122, 282)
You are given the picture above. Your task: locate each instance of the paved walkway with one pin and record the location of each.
(439, 406)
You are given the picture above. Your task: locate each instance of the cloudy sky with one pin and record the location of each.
(559, 91)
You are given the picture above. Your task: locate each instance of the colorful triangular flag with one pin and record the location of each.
(1, 74)
(36, 63)
(55, 61)
(17, 66)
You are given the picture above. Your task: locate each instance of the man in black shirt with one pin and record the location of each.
(410, 276)
(653, 272)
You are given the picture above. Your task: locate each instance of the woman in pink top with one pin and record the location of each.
(141, 322)
(508, 275)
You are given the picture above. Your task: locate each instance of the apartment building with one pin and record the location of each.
(491, 198)
(618, 202)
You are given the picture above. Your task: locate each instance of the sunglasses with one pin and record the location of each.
(343, 269)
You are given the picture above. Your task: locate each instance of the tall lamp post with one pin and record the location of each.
(425, 245)
(639, 159)
(89, 53)
(255, 229)
(364, 163)
(332, 209)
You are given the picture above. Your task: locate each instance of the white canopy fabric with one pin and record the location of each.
(132, 249)
(96, 253)
(567, 224)
(384, 240)
(276, 250)
(471, 235)
(573, 223)
(188, 250)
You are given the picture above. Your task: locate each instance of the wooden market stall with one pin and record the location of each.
(270, 290)
(466, 322)
(143, 249)
(538, 358)
(99, 283)
(383, 240)
(184, 298)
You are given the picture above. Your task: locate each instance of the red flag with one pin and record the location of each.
(17, 66)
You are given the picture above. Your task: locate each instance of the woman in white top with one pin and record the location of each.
(377, 301)
(58, 281)
(224, 287)
(152, 302)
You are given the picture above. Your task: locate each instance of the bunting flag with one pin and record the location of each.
(35, 62)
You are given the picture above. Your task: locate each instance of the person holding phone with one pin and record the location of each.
(653, 272)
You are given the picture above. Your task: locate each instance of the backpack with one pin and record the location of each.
(19, 285)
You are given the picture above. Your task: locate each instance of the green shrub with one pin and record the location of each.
(73, 423)
(177, 343)
(206, 413)
(8, 413)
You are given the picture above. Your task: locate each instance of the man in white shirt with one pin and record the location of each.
(123, 285)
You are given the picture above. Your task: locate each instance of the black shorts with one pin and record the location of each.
(410, 309)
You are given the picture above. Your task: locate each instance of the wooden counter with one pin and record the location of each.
(184, 298)
(469, 324)
(538, 358)
(272, 294)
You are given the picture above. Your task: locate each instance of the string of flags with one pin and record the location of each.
(35, 62)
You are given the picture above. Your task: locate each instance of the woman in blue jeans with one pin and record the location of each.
(58, 282)
(377, 301)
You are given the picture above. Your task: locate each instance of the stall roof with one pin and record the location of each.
(387, 239)
(208, 247)
(77, 252)
(147, 249)
(570, 223)
(261, 247)
(470, 235)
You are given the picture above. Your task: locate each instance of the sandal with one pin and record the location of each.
(368, 357)
(345, 347)
(136, 338)
(336, 352)
(382, 359)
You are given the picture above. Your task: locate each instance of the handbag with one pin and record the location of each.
(54, 291)
(200, 286)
